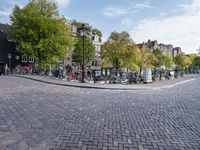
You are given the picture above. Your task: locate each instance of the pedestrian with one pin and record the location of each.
(27, 69)
(6, 69)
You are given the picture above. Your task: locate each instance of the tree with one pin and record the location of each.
(168, 60)
(120, 51)
(97, 32)
(131, 57)
(182, 60)
(194, 62)
(160, 58)
(10, 33)
(77, 55)
(197, 61)
(41, 32)
(192, 58)
(147, 59)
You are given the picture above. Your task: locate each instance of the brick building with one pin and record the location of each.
(9, 52)
(96, 62)
(164, 47)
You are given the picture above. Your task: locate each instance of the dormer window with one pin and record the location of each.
(17, 48)
(96, 38)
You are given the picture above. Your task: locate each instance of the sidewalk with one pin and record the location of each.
(155, 85)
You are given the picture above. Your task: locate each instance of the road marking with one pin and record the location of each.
(179, 83)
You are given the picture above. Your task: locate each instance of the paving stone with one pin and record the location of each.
(36, 115)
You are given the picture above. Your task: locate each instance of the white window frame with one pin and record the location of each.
(24, 58)
(96, 38)
(74, 29)
(99, 48)
(31, 59)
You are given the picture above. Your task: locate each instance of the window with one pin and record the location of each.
(17, 57)
(96, 38)
(31, 59)
(96, 47)
(74, 29)
(97, 53)
(92, 63)
(95, 63)
(24, 58)
(17, 48)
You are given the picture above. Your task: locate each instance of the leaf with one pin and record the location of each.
(41, 32)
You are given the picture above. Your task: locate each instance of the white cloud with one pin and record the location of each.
(140, 6)
(126, 23)
(129, 7)
(178, 27)
(6, 9)
(62, 3)
(114, 11)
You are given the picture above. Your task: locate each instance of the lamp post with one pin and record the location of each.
(84, 31)
(9, 57)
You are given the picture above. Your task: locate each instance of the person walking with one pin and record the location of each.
(6, 70)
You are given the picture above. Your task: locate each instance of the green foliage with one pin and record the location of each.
(120, 51)
(192, 58)
(78, 51)
(10, 34)
(77, 55)
(131, 57)
(147, 59)
(160, 58)
(196, 61)
(182, 60)
(97, 32)
(111, 54)
(41, 32)
(168, 60)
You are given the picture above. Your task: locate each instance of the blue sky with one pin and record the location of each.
(174, 22)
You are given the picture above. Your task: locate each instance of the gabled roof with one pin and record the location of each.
(140, 45)
(8, 31)
(3, 27)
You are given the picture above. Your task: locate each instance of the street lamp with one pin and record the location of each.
(9, 57)
(84, 31)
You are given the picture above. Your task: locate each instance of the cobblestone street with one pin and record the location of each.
(39, 116)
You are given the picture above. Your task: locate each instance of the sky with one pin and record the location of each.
(175, 22)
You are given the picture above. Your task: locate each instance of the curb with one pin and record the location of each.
(109, 88)
(84, 86)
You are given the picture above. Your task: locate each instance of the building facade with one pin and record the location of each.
(166, 48)
(176, 50)
(10, 56)
(96, 62)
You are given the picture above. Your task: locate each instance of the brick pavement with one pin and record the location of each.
(39, 116)
(158, 84)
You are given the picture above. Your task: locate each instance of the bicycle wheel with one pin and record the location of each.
(87, 79)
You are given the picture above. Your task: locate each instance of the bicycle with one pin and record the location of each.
(71, 76)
